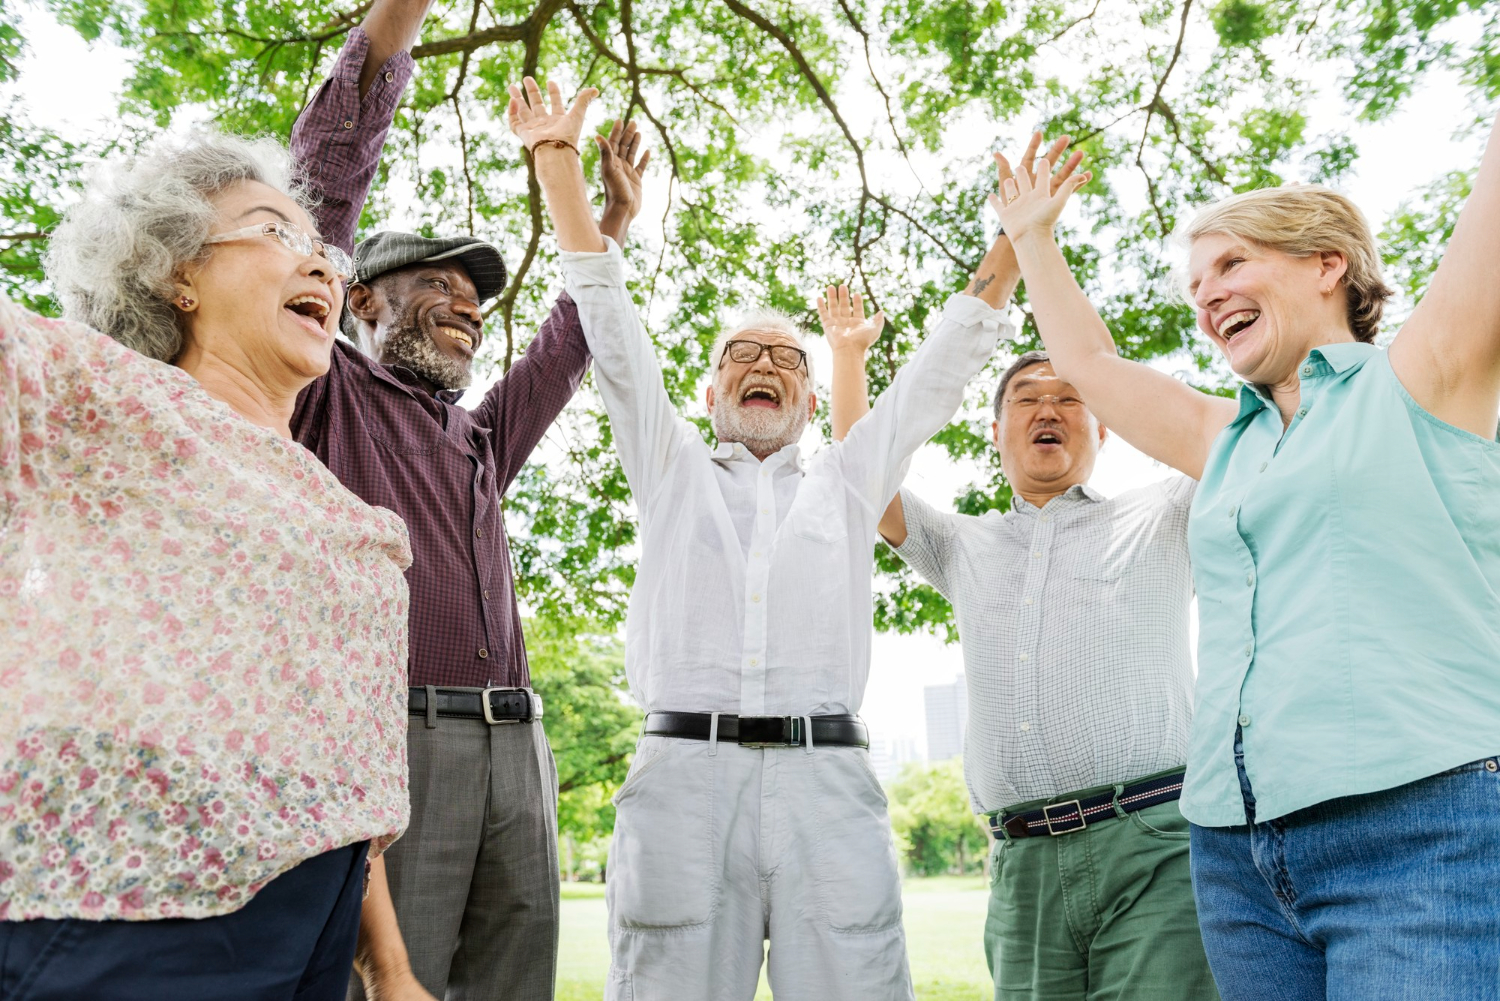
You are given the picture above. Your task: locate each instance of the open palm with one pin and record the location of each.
(844, 322)
(536, 120)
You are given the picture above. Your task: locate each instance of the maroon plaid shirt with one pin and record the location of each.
(439, 466)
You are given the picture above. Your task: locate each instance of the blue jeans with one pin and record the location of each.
(294, 939)
(1392, 895)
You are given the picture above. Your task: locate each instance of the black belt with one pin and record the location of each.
(493, 705)
(1076, 814)
(760, 731)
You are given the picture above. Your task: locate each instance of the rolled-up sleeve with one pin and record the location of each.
(338, 137)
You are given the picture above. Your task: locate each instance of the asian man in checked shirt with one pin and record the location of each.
(1072, 608)
(751, 811)
(465, 906)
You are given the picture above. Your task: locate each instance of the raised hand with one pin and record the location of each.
(844, 322)
(1026, 206)
(619, 169)
(536, 121)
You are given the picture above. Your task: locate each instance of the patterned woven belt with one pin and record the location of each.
(1075, 814)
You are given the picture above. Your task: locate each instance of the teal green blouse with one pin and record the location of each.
(1348, 576)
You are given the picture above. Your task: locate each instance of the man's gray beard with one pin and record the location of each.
(409, 347)
(761, 430)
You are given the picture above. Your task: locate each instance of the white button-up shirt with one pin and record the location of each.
(753, 590)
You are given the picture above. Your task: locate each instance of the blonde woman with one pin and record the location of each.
(1342, 775)
(202, 689)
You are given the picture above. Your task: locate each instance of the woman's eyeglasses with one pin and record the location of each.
(294, 239)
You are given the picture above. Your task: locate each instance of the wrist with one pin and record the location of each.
(849, 352)
(1035, 236)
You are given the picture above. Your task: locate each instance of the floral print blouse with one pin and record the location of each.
(202, 642)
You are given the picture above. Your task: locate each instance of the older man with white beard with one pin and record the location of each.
(751, 811)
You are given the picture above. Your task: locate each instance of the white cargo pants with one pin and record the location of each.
(714, 853)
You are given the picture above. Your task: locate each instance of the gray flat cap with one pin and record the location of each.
(389, 250)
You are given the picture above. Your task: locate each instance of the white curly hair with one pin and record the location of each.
(142, 221)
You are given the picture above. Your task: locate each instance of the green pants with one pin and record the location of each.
(1102, 914)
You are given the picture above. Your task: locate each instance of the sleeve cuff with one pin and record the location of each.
(970, 310)
(582, 269)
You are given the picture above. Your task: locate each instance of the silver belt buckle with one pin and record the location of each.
(534, 702)
(1047, 816)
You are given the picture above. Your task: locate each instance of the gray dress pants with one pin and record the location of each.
(474, 878)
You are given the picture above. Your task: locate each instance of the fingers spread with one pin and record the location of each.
(533, 93)
(645, 159)
(554, 94)
(1067, 169)
(1031, 148)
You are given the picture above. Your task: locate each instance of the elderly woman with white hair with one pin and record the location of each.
(204, 696)
(1342, 780)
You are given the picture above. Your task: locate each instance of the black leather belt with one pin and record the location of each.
(761, 731)
(1076, 814)
(493, 705)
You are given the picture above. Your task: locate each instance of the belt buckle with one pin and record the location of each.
(1047, 816)
(533, 706)
(770, 731)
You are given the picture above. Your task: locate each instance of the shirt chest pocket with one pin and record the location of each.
(823, 521)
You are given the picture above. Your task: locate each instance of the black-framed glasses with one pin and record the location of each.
(749, 352)
(292, 237)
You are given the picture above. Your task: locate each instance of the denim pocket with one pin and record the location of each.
(51, 944)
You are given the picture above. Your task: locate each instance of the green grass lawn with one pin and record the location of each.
(944, 925)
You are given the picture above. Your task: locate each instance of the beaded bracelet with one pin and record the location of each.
(553, 142)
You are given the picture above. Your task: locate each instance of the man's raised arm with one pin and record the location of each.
(339, 135)
(646, 427)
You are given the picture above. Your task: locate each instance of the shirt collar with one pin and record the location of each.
(789, 455)
(1334, 358)
(1077, 492)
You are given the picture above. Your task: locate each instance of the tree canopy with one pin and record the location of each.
(799, 144)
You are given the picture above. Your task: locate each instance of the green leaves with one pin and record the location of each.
(795, 145)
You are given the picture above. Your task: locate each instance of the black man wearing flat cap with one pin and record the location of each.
(465, 905)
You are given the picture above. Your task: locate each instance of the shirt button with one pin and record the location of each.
(756, 554)
(765, 472)
(755, 597)
(754, 661)
(1249, 580)
(1491, 765)
(1035, 555)
(1307, 370)
(1233, 510)
(1028, 601)
(1263, 466)
(1023, 656)
(765, 510)
(1244, 719)
(486, 595)
(483, 653)
(1046, 517)
(389, 77)
(1025, 727)
(1301, 411)
(348, 125)
(478, 533)
(1249, 648)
